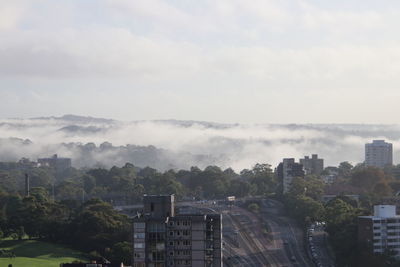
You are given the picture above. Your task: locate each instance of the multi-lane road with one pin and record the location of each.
(287, 237)
(267, 239)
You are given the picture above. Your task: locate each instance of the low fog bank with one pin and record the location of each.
(181, 144)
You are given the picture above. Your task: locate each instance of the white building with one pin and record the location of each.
(378, 154)
(381, 231)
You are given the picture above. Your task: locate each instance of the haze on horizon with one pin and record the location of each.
(272, 61)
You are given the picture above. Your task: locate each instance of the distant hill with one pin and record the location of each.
(76, 119)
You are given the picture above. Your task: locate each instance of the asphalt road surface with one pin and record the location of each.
(319, 241)
(247, 244)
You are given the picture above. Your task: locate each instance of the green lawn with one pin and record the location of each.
(32, 253)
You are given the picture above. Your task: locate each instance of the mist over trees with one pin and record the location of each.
(170, 144)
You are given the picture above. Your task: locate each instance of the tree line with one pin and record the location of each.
(127, 184)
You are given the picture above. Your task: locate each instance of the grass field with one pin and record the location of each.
(32, 253)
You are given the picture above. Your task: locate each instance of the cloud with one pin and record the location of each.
(11, 13)
(117, 53)
(196, 53)
(162, 47)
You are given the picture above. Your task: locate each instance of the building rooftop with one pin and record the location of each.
(383, 211)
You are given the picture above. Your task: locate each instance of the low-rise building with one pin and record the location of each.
(329, 178)
(59, 164)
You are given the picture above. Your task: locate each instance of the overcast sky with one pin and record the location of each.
(278, 61)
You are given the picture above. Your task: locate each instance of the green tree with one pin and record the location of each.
(97, 226)
(121, 252)
(89, 183)
(371, 179)
(345, 169)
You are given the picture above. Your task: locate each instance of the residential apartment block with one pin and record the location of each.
(381, 231)
(287, 170)
(163, 238)
(378, 154)
(313, 165)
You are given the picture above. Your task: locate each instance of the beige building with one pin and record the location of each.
(378, 154)
(163, 238)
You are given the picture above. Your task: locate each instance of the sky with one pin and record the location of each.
(258, 61)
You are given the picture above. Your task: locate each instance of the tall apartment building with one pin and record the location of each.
(312, 165)
(378, 154)
(287, 170)
(163, 238)
(380, 231)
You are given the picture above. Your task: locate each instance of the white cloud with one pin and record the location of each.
(191, 52)
(11, 13)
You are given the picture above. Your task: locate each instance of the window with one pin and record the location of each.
(139, 225)
(138, 245)
(139, 255)
(138, 235)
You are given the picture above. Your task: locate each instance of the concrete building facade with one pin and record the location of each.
(378, 154)
(313, 165)
(380, 231)
(163, 238)
(59, 164)
(287, 170)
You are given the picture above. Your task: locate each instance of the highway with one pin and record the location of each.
(283, 246)
(287, 238)
(321, 247)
